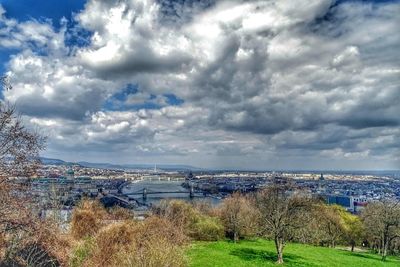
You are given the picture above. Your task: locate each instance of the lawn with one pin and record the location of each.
(262, 253)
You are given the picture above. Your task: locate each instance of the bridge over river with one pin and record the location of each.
(145, 192)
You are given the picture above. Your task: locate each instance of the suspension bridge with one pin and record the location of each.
(145, 192)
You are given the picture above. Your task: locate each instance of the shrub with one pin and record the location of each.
(111, 240)
(154, 242)
(153, 252)
(207, 228)
(119, 213)
(84, 224)
(81, 252)
(44, 246)
(87, 218)
(190, 220)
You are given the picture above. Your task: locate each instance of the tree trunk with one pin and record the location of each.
(385, 243)
(279, 250)
(235, 237)
(352, 245)
(384, 250)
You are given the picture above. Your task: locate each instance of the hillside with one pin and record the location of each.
(262, 253)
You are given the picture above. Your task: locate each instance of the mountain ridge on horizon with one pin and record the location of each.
(184, 167)
(103, 165)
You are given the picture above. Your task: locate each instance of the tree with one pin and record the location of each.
(238, 216)
(281, 209)
(330, 223)
(382, 222)
(19, 147)
(353, 228)
(19, 157)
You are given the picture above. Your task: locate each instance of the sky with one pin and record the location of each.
(312, 84)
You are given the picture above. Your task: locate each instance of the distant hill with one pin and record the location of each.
(170, 167)
(50, 161)
(137, 166)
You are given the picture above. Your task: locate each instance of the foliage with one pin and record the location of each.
(81, 252)
(207, 228)
(190, 220)
(238, 216)
(119, 213)
(44, 246)
(87, 218)
(154, 242)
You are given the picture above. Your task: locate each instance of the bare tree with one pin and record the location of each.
(382, 221)
(19, 157)
(281, 209)
(19, 147)
(238, 216)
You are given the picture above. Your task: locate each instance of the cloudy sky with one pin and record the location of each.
(312, 84)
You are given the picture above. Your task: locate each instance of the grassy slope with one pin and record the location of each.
(262, 253)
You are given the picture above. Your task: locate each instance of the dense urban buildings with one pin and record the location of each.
(61, 186)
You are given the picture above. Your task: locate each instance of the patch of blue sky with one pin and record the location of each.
(331, 23)
(23, 10)
(77, 36)
(173, 100)
(5, 54)
(118, 101)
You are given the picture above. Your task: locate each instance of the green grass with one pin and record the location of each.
(262, 253)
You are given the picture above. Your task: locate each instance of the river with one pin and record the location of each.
(163, 186)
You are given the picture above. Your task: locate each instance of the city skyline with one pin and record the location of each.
(213, 84)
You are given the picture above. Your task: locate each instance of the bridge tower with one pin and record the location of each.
(144, 194)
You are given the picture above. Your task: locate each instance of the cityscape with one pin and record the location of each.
(69, 183)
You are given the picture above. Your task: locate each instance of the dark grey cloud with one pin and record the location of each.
(179, 12)
(142, 60)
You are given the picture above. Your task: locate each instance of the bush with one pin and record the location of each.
(207, 228)
(84, 224)
(119, 213)
(87, 219)
(153, 252)
(190, 220)
(154, 242)
(81, 252)
(45, 245)
(111, 240)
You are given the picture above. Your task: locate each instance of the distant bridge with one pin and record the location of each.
(145, 192)
(160, 178)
